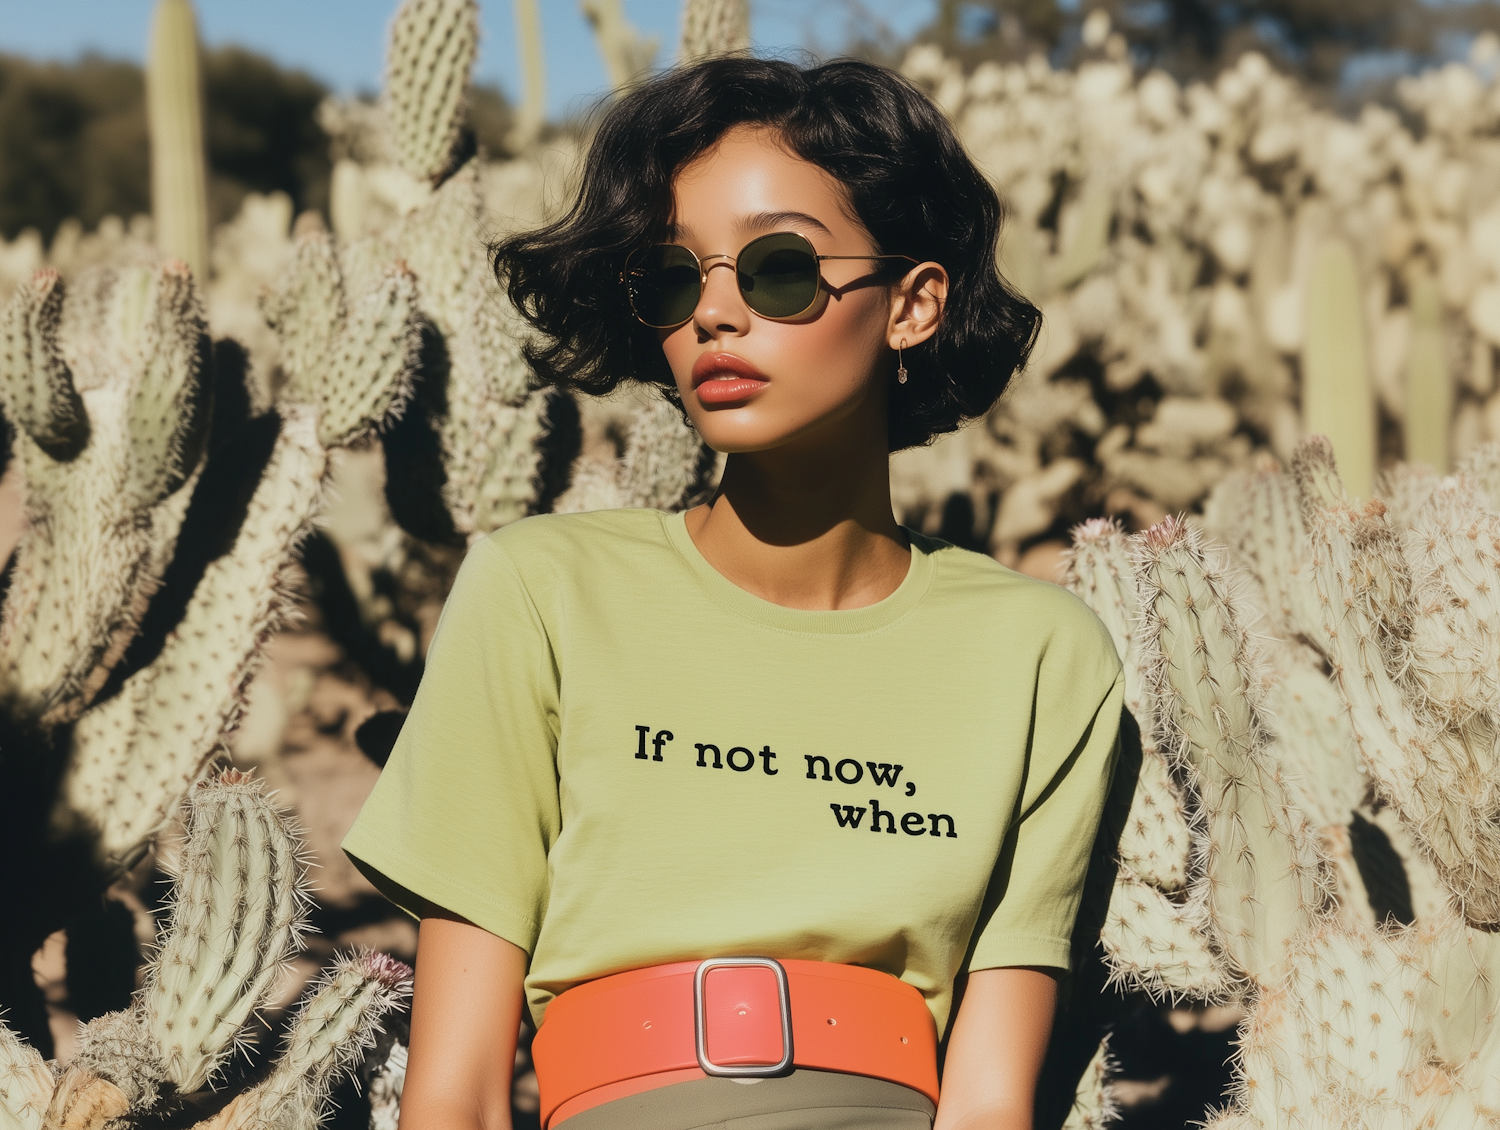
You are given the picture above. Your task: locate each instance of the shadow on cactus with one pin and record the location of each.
(154, 567)
(238, 908)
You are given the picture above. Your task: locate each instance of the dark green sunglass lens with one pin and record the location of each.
(778, 276)
(664, 285)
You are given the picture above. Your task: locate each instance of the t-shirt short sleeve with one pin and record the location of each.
(1028, 914)
(466, 810)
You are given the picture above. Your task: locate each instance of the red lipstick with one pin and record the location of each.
(723, 378)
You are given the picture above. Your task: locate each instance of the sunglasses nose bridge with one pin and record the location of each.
(707, 263)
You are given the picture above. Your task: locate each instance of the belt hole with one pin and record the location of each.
(903, 1038)
(831, 1020)
(647, 1024)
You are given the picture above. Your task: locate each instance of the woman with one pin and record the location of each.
(778, 727)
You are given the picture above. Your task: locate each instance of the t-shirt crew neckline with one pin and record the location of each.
(838, 621)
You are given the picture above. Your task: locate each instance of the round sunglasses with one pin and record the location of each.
(778, 277)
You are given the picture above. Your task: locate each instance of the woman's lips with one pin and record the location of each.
(723, 378)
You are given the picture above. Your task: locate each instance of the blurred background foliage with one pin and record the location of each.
(73, 138)
(73, 135)
(1344, 46)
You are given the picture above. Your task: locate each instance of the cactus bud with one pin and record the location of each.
(238, 909)
(432, 49)
(36, 388)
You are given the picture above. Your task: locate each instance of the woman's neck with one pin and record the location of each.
(807, 525)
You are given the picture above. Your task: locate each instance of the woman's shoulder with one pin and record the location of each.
(995, 595)
(553, 542)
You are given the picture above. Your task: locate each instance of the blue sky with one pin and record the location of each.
(342, 42)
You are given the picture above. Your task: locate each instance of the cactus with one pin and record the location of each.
(1429, 387)
(714, 27)
(1093, 1105)
(174, 105)
(1089, 239)
(335, 1025)
(532, 112)
(239, 908)
(1419, 688)
(105, 472)
(626, 54)
(1337, 400)
(1264, 873)
(432, 47)
(25, 1084)
(664, 464)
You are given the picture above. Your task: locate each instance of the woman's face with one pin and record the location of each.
(750, 383)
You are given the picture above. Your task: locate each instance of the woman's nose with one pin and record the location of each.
(721, 308)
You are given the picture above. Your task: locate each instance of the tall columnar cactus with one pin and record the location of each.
(1337, 397)
(432, 48)
(532, 112)
(1429, 386)
(1346, 1025)
(714, 27)
(106, 472)
(174, 106)
(626, 54)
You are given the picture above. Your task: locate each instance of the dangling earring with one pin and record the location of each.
(900, 364)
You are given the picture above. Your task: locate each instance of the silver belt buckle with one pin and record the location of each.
(750, 1070)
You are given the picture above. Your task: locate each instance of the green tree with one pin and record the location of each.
(73, 138)
(1194, 38)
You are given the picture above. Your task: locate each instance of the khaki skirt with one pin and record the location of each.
(803, 1100)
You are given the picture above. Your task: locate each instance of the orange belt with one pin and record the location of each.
(729, 1016)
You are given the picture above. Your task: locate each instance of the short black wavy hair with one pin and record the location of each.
(909, 182)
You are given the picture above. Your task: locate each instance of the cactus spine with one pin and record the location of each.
(1337, 398)
(174, 106)
(1429, 388)
(1419, 687)
(337, 1022)
(25, 1084)
(239, 908)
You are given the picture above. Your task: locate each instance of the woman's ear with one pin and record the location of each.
(917, 305)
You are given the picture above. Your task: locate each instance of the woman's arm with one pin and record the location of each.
(464, 1018)
(996, 1049)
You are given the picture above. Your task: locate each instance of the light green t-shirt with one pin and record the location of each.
(618, 758)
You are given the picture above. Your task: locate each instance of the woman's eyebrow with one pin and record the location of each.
(780, 219)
